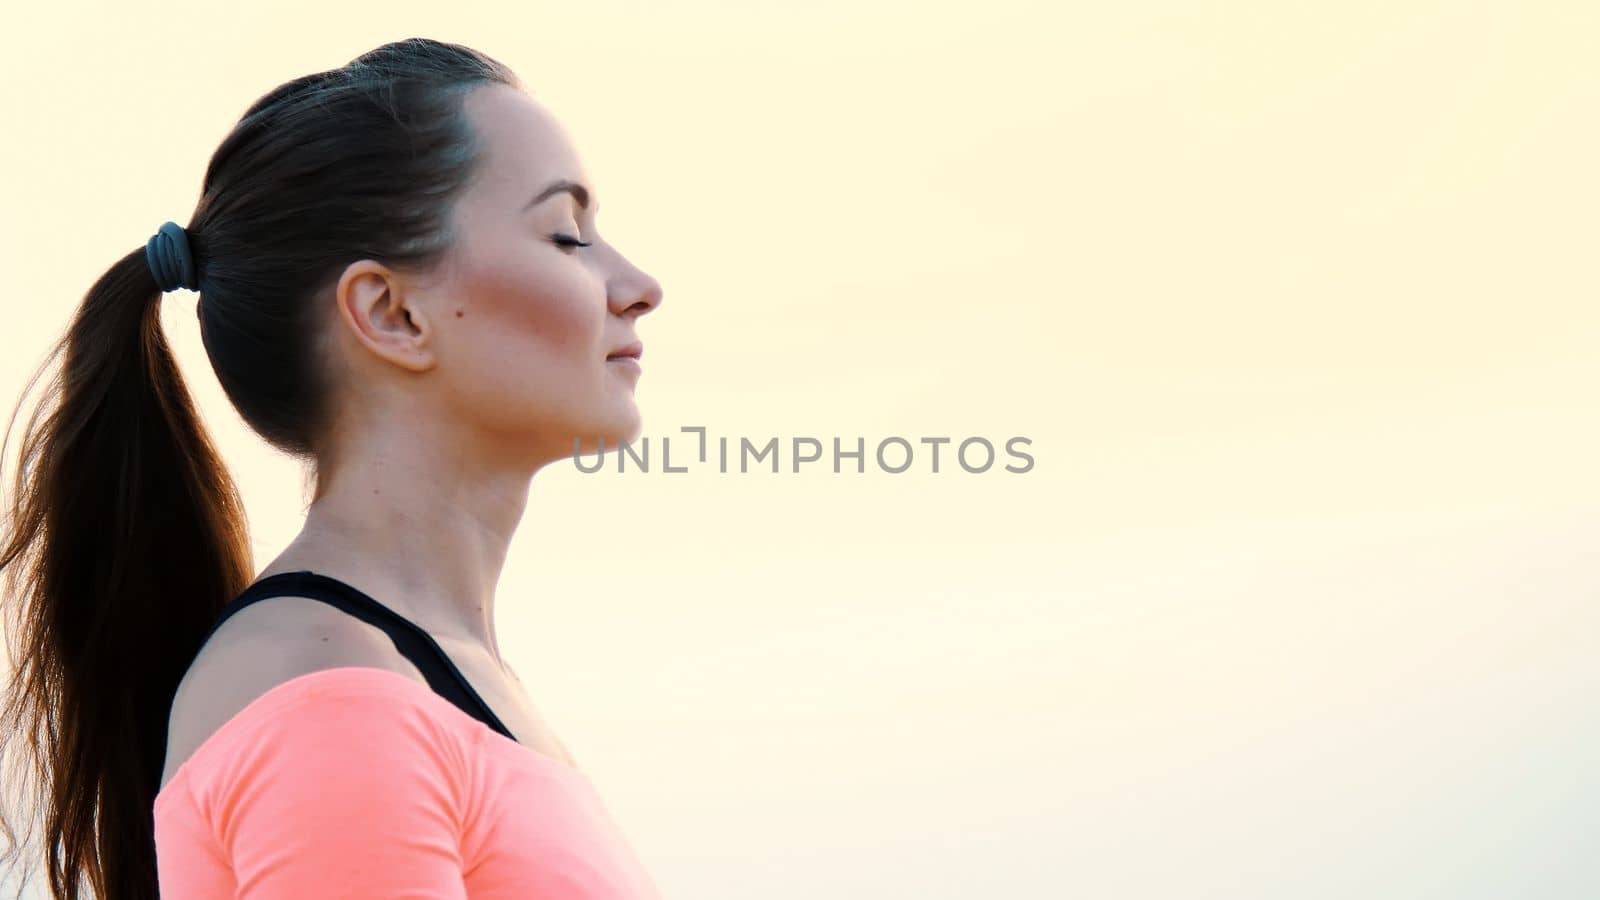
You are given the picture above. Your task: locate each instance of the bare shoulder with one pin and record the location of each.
(260, 647)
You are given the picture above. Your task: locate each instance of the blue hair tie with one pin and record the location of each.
(170, 260)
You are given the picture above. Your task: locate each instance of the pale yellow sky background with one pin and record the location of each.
(1296, 303)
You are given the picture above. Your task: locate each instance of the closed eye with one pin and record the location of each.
(565, 240)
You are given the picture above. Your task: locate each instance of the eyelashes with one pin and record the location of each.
(564, 241)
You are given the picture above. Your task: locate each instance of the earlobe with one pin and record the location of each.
(372, 303)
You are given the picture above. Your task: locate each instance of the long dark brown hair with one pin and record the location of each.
(125, 533)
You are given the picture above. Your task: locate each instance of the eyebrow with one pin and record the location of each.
(578, 192)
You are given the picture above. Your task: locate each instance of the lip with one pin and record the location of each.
(632, 351)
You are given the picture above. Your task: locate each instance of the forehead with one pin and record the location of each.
(523, 146)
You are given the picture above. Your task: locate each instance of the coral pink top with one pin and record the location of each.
(359, 782)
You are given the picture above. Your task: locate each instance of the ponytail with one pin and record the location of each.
(124, 538)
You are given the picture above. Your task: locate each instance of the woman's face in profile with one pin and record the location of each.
(528, 326)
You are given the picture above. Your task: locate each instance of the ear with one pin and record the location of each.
(371, 301)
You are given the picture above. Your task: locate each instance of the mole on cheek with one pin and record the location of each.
(459, 313)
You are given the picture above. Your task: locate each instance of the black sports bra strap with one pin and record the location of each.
(413, 643)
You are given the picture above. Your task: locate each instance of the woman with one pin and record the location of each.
(401, 284)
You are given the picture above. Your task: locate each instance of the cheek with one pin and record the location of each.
(527, 342)
(553, 309)
(541, 330)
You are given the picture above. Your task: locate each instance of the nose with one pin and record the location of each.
(635, 294)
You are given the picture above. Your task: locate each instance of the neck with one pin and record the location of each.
(419, 530)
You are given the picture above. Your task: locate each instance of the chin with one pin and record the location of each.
(626, 427)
